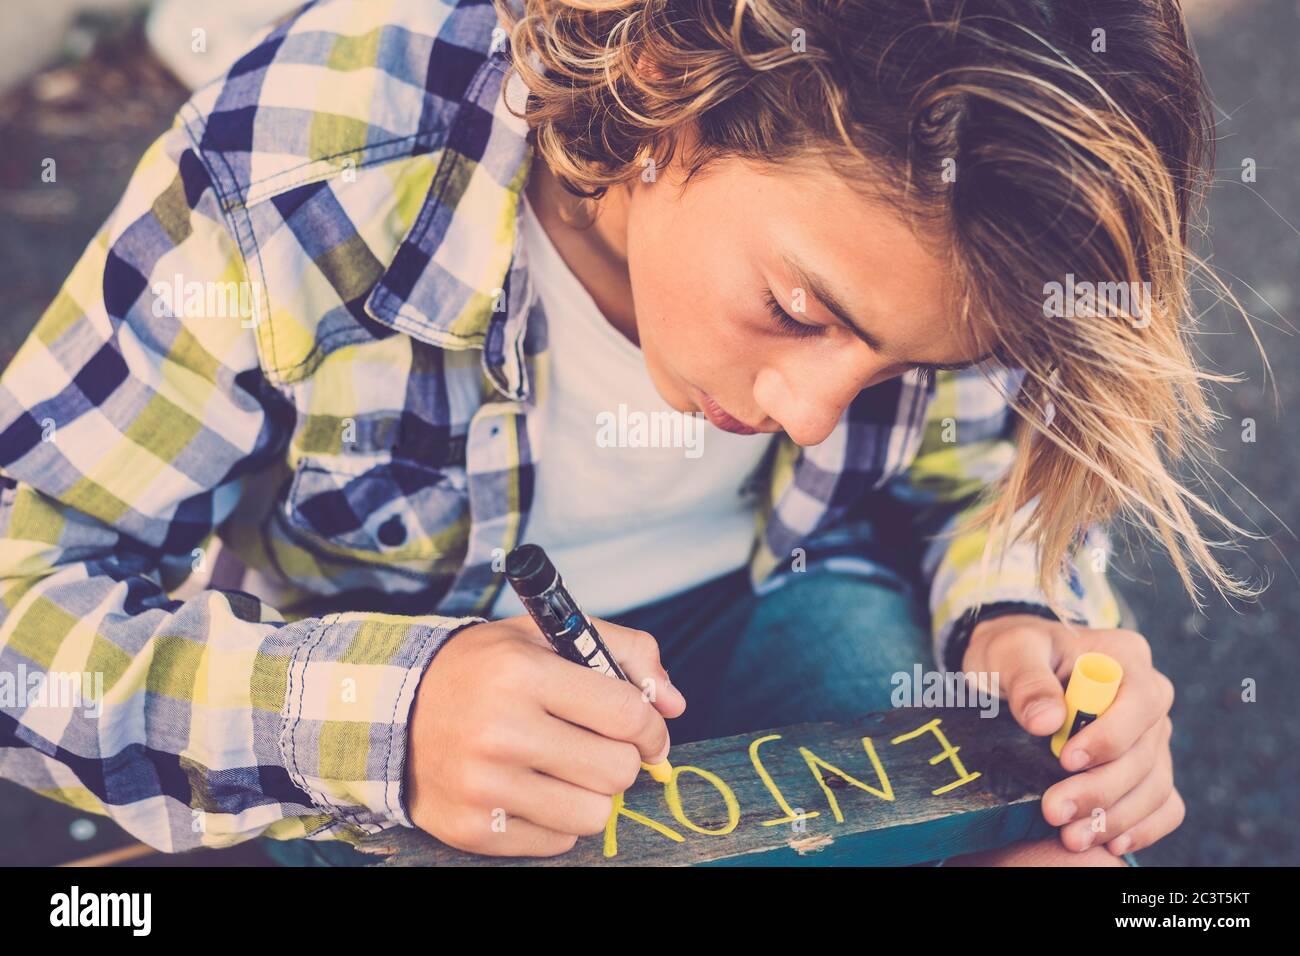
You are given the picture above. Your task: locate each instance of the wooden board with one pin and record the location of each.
(893, 788)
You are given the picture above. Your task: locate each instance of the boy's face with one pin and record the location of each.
(702, 261)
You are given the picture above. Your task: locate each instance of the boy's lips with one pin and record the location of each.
(715, 413)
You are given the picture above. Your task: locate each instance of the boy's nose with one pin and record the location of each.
(810, 411)
(807, 414)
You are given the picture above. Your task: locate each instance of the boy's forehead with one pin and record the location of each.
(888, 270)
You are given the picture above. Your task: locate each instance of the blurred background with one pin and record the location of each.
(91, 83)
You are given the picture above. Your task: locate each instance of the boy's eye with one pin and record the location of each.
(787, 324)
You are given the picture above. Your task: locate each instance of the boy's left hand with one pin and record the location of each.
(1127, 769)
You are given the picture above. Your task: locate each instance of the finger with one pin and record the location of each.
(491, 831)
(1129, 811)
(1104, 786)
(584, 758)
(1144, 699)
(1164, 821)
(1024, 661)
(557, 805)
(552, 745)
(637, 652)
(612, 708)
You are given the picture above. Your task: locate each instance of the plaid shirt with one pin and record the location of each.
(360, 429)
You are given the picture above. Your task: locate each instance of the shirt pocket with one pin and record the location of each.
(379, 509)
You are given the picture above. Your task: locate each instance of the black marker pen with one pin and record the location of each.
(546, 599)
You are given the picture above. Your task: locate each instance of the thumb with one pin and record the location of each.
(1024, 661)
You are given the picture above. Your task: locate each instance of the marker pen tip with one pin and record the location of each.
(662, 772)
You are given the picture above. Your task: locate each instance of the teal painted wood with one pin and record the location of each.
(997, 803)
(915, 843)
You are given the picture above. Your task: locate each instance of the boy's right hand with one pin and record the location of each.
(515, 751)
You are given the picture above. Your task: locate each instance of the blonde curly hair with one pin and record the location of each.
(1045, 139)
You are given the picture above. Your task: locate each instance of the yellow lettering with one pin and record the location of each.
(772, 788)
(673, 795)
(611, 826)
(949, 752)
(815, 763)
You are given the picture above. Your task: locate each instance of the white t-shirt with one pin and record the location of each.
(626, 523)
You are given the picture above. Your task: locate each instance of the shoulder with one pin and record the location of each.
(350, 132)
(973, 395)
(337, 86)
(967, 423)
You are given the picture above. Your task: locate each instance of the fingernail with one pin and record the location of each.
(1036, 708)
(1077, 760)
(1088, 837)
(1068, 810)
(1121, 845)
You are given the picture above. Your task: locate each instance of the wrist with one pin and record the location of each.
(964, 630)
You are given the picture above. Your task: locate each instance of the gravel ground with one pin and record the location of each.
(1234, 762)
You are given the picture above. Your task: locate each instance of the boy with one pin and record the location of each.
(349, 316)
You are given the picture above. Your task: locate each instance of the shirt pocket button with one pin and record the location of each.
(392, 532)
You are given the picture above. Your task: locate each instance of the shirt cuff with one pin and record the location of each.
(960, 589)
(960, 635)
(349, 684)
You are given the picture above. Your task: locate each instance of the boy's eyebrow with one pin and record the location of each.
(822, 293)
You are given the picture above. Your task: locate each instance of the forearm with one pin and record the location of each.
(207, 721)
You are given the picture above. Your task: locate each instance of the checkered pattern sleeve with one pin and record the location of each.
(967, 444)
(130, 422)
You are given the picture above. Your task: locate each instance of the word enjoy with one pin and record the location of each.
(789, 815)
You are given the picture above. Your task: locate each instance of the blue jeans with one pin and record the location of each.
(823, 646)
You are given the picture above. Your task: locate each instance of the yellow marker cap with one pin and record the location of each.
(1094, 682)
(662, 772)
